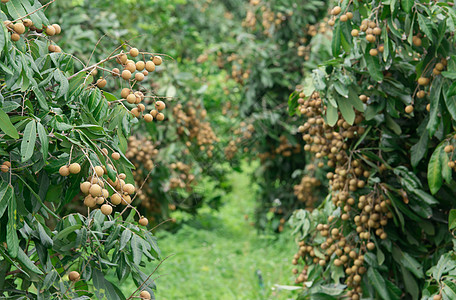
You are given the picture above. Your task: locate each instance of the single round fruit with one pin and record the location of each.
(101, 83)
(7, 163)
(126, 75)
(126, 199)
(141, 107)
(64, 170)
(143, 221)
(160, 117)
(370, 38)
(423, 81)
(160, 105)
(140, 65)
(115, 72)
(57, 28)
(131, 98)
(99, 171)
(51, 48)
(150, 66)
(85, 187)
(144, 295)
(100, 200)
(139, 76)
(343, 18)
(349, 15)
(90, 201)
(123, 59)
(50, 30)
(105, 193)
(129, 188)
(4, 168)
(115, 156)
(95, 190)
(19, 28)
(373, 52)
(135, 111)
(421, 94)
(116, 199)
(106, 209)
(437, 297)
(448, 148)
(15, 37)
(154, 112)
(124, 93)
(57, 49)
(75, 168)
(355, 32)
(148, 118)
(73, 276)
(416, 41)
(157, 60)
(370, 246)
(336, 10)
(27, 22)
(134, 52)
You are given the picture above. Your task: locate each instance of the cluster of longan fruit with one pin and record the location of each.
(136, 98)
(190, 122)
(304, 191)
(5, 166)
(243, 133)
(228, 109)
(184, 178)
(21, 26)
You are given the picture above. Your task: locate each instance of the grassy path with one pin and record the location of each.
(220, 255)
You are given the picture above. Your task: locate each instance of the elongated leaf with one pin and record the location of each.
(346, 108)
(5, 194)
(136, 249)
(435, 92)
(378, 283)
(42, 134)
(44, 237)
(126, 235)
(105, 289)
(11, 234)
(407, 5)
(27, 262)
(434, 174)
(449, 290)
(331, 115)
(6, 126)
(28, 141)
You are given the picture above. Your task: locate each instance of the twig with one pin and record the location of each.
(31, 13)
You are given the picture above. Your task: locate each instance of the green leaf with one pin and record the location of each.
(293, 103)
(378, 283)
(346, 108)
(42, 134)
(126, 235)
(27, 262)
(407, 5)
(434, 174)
(452, 219)
(44, 237)
(6, 126)
(411, 286)
(11, 228)
(419, 150)
(435, 92)
(28, 141)
(105, 289)
(5, 194)
(449, 290)
(373, 67)
(335, 45)
(65, 232)
(331, 115)
(425, 25)
(136, 249)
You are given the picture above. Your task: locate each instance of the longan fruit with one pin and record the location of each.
(370, 38)
(139, 76)
(144, 295)
(145, 72)
(73, 276)
(104, 193)
(19, 28)
(105, 151)
(101, 83)
(15, 37)
(448, 148)
(90, 201)
(99, 171)
(143, 221)
(85, 187)
(148, 118)
(423, 81)
(126, 75)
(160, 105)
(134, 52)
(373, 52)
(27, 22)
(416, 41)
(437, 297)
(377, 31)
(150, 66)
(115, 72)
(95, 190)
(50, 30)
(343, 18)
(4, 168)
(140, 65)
(160, 117)
(124, 93)
(116, 199)
(115, 156)
(141, 107)
(57, 49)
(99, 200)
(7, 163)
(122, 58)
(370, 246)
(122, 176)
(421, 94)
(57, 28)
(336, 10)
(106, 209)
(131, 99)
(139, 95)
(130, 67)
(126, 199)
(135, 111)
(355, 32)
(64, 170)
(129, 188)
(154, 113)
(51, 48)
(157, 60)
(349, 15)
(75, 168)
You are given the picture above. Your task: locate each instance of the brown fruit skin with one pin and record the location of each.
(150, 66)
(28, 22)
(57, 28)
(106, 209)
(134, 52)
(421, 94)
(115, 72)
(160, 105)
(116, 199)
(73, 276)
(144, 295)
(129, 188)
(75, 168)
(101, 83)
(50, 30)
(157, 60)
(4, 168)
(139, 76)
(143, 221)
(416, 41)
(135, 111)
(160, 117)
(423, 81)
(95, 190)
(148, 118)
(19, 28)
(115, 156)
(336, 10)
(355, 32)
(131, 98)
(64, 171)
(154, 113)
(140, 65)
(126, 75)
(373, 52)
(15, 37)
(343, 18)
(124, 93)
(85, 187)
(7, 163)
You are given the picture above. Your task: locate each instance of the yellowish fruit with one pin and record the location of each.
(141, 107)
(95, 190)
(126, 199)
(143, 221)
(115, 156)
(131, 98)
(154, 113)
(106, 209)
(90, 201)
(148, 118)
(126, 75)
(105, 193)
(150, 66)
(134, 52)
(85, 187)
(75, 168)
(160, 117)
(57, 28)
(124, 93)
(139, 76)
(423, 81)
(64, 170)
(50, 30)
(336, 10)
(19, 28)
(73, 276)
(4, 168)
(144, 295)
(116, 199)
(157, 60)
(99, 171)
(15, 37)
(135, 111)
(140, 65)
(129, 188)
(115, 72)
(160, 105)
(101, 83)
(27, 22)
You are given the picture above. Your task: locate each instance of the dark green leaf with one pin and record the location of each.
(28, 141)
(6, 126)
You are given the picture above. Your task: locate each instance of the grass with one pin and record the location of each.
(220, 255)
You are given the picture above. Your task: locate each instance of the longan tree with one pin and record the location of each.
(379, 119)
(63, 141)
